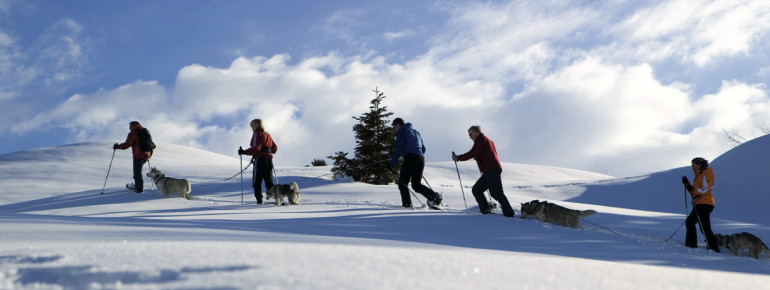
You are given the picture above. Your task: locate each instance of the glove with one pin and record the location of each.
(241, 151)
(115, 147)
(686, 184)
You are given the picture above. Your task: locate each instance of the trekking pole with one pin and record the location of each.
(254, 179)
(241, 148)
(149, 168)
(685, 201)
(492, 204)
(275, 176)
(685, 214)
(426, 182)
(461, 184)
(108, 170)
(700, 224)
(398, 181)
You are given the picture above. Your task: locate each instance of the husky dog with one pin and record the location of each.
(281, 191)
(737, 242)
(554, 214)
(168, 185)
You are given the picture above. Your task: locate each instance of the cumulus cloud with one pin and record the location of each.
(696, 32)
(548, 82)
(95, 115)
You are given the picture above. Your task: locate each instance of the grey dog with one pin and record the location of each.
(555, 214)
(737, 242)
(281, 191)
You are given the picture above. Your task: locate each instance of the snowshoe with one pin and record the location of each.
(436, 202)
(132, 187)
(435, 206)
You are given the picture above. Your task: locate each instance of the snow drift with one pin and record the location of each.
(58, 231)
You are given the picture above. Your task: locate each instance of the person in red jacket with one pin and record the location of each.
(262, 150)
(703, 204)
(140, 157)
(485, 153)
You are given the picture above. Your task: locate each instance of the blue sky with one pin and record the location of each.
(617, 87)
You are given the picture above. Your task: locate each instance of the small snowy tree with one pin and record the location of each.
(375, 140)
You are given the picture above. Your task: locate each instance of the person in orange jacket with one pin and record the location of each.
(262, 150)
(140, 157)
(703, 204)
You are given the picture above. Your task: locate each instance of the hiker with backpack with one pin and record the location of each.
(262, 149)
(140, 142)
(485, 153)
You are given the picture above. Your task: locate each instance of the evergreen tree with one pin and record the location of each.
(318, 162)
(375, 140)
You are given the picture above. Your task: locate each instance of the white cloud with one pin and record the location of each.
(390, 36)
(511, 68)
(736, 106)
(697, 32)
(51, 63)
(593, 111)
(610, 118)
(92, 115)
(501, 41)
(13, 74)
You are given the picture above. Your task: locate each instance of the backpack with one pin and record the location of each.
(145, 139)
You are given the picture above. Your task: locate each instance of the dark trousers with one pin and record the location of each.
(700, 214)
(138, 179)
(491, 180)
(263, 170)
(411, 170)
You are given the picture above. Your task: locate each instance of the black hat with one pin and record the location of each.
(398, 121)
(701, 161)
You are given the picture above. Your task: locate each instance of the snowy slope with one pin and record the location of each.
(739, 188)
(58, 231)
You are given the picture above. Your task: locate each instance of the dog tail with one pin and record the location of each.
(294, 196)
(585, 213)
(187, 189)
(766, 250)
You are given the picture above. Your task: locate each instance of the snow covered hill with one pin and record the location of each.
(739, 188)
(58, 231)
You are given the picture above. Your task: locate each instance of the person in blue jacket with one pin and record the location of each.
(409, 146)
